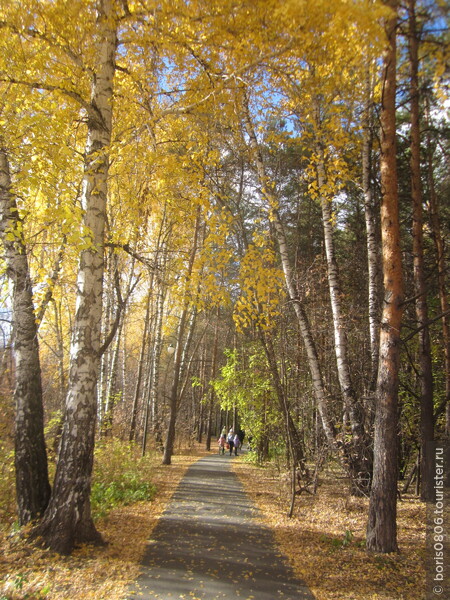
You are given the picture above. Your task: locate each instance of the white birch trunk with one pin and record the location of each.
(67, 519)
(373, 258)
(151, 409)
(305, 329)
(137, 389)
(180, 353)
(351, 403)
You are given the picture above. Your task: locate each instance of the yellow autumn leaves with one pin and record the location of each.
(261, 283)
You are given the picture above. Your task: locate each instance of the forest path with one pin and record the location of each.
(208, 545)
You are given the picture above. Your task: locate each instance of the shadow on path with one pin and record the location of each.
(207, 545)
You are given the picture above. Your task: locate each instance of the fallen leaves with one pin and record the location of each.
(324, 543)
(325, 540)
(90, 573)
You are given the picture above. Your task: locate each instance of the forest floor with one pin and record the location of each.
(91, 573)
(324, 542)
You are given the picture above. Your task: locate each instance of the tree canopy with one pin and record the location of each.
(212, 176)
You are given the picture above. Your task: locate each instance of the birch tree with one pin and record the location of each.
(67, 519)
(372, 233)
(32, 484)
(183, 334)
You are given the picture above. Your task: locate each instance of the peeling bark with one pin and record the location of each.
(67, 519)
(382, 521)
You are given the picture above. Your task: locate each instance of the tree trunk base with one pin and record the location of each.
(56, 536)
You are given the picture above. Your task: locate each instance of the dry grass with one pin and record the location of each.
(91, 573)
(325, 539)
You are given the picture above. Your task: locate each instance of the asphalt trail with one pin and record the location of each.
(208, 545)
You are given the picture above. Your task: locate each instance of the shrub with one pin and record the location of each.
(120, 477)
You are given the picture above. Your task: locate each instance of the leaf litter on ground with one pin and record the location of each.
(324, 541)
(28, 572)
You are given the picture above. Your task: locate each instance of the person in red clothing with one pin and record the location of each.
(222, 442)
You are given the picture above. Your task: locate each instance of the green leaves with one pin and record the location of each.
(120, 477)
(128, 489)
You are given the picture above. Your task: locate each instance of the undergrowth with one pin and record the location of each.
(120, 477)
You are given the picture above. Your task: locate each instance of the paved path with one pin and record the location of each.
(208, 546)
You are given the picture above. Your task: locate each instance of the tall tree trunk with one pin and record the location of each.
(111, 387)
(173, 401)
(67, 519)
(32, 485)
(305, 329)
(105, 359)
(361, 453)
(213, 376)
(382, 521)
(442, 268)
(202, 387)
(295, 443)
(179, 352)
(373, 259)
(351, 463)
(137, 389)
(426, 371)
(151, 410)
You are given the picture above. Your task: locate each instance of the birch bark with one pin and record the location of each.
(356, 457)
(180, 352)
(139, 376)
(361, 454)
(32, 485)
(372, 236)
(67, 519)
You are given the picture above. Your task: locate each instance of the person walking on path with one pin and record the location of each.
(237, 444)
(222, 443)
(230, 440)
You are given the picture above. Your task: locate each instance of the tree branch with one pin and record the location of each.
(126, 248)
(121, 303)
(427, 324)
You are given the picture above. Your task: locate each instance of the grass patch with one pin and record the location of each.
(121, 477)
